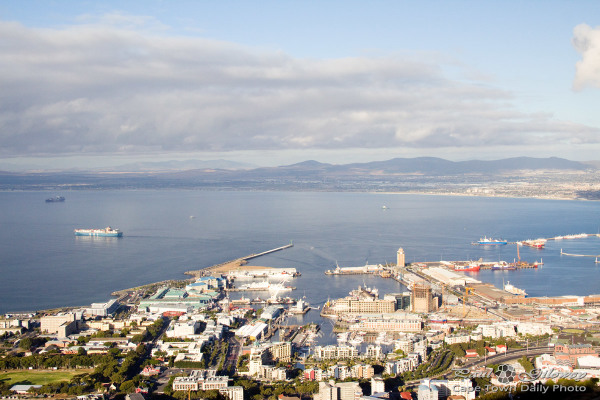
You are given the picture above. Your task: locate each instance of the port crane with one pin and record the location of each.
(468, 291)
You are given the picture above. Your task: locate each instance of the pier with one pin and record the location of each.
(264, 253)
(579, 255)
(236, 263)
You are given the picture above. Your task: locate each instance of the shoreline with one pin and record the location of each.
(425, 193)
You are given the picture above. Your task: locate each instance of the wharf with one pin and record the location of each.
(227, 266)
(257, 289)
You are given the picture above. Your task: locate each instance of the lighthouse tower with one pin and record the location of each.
(400, 261)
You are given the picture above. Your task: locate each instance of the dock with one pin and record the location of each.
(236, 263)
(578, 255)
(264, 253)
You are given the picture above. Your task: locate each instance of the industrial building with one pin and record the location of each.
(402, 300)
(422, 299)
(102, 309)
(364, 306)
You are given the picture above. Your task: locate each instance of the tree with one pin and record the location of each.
(26, 343)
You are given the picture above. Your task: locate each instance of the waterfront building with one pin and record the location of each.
(400, 258)
(271, 312)
(349, 305)
(281, 351)
(422, 300)
(333, 352)
(373, 351)
(252, 331)
(402, 300)
(176, 299)
(102, 309)
(389, 322)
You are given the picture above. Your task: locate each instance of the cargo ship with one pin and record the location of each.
(471, 267)
(56, 199)
(485, 241)
(536, 244)
(106, 232)
(514, 290)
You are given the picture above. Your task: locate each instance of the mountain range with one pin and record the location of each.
(422, 174)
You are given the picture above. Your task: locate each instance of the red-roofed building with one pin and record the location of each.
(501, 348)
(490, 351)
(471, 353)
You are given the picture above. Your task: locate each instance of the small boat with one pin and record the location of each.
(503, 266)
(536, 244)
(106, 232)
(485, 241)
(57, 199)
(596, 260)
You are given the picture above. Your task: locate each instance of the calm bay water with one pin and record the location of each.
(43, 265)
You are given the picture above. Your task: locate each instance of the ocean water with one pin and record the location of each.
(43, 265)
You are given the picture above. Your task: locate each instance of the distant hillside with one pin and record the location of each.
(174, 165)
(399, 174)
(439, 166)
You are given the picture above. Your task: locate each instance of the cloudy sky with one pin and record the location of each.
(276, 82)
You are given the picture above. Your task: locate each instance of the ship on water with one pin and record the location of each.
(266, 285)
(536, 243)
(485, 241)
(106, 232)
(57, 199)
(503, 266)
(471, 267)
(513, 289)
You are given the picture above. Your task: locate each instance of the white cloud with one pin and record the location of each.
(106, 89)
(586, 41)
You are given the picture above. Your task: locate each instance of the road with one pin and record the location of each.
(233, 352)
(497, 359)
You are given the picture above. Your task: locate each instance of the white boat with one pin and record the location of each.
(513, 289)
(343, 337)
(356, 340)
(278, 287)
(262, 285)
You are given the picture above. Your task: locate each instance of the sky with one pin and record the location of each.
(88, 83)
